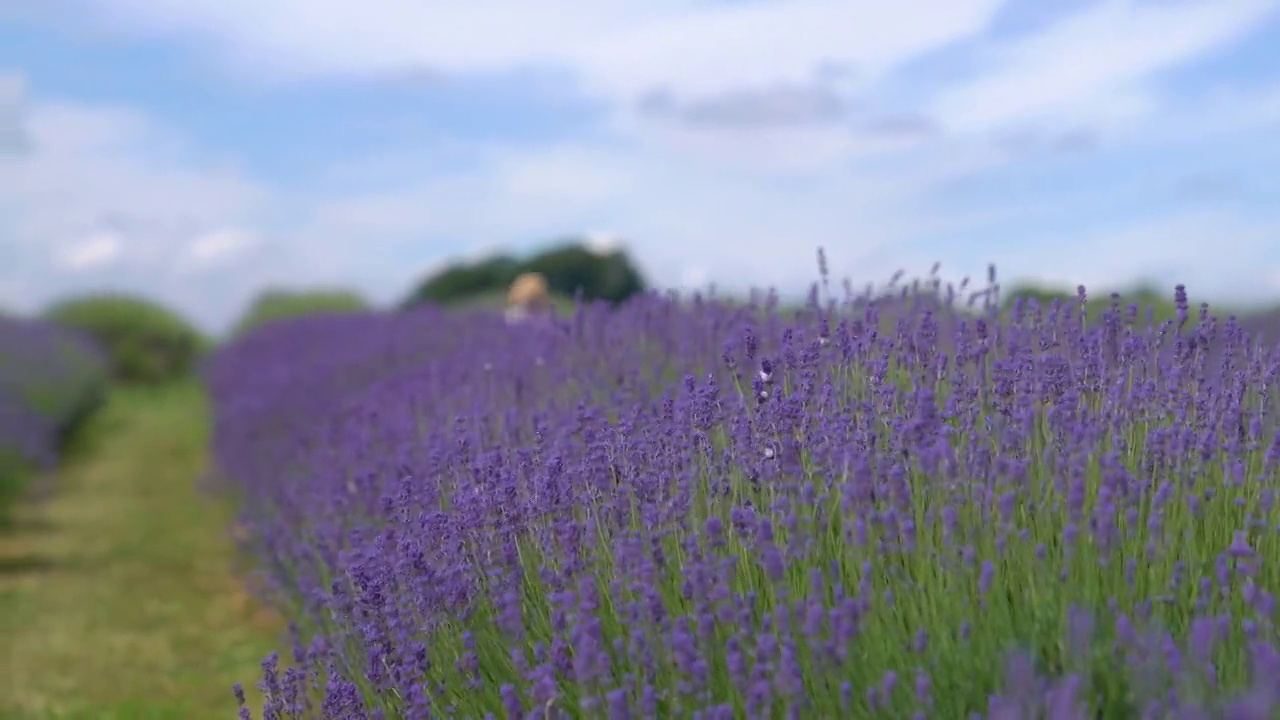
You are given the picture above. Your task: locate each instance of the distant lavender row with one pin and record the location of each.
(49, 376)
(706, 511)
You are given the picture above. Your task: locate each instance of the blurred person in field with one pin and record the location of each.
(528, 299)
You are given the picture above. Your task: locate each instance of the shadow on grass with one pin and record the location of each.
(26, 526)
(27, 564)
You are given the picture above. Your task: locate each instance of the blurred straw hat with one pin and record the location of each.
(529, 290)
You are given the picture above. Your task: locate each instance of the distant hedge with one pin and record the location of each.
(51, 380)
(274, 305)
(146, 343)
(1158, 300)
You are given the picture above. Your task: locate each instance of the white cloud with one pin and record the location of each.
(1093, 67)
(603, 243)
(105, 196)
(218, 247)
(736, 45)
(741, 202)
(614, 51)
(91, 253)
(1089, 67)
(106, 168)
(314, 38)
(619, 47)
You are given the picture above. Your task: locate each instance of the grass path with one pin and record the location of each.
(117, 597)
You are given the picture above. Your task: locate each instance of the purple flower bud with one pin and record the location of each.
(984, 577)
(1239, 547)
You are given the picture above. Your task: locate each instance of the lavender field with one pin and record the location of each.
(51, 378)
(905, 507)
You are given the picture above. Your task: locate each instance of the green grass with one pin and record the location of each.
(118, 597)
(15, 482)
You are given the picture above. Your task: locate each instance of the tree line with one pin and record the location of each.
(571, 269)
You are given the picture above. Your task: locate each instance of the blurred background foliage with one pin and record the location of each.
(51, 380)
(1153, 299)
(570, 268)
(146, 343)
(283, 304)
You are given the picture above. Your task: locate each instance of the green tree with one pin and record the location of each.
(461, 282)
(571, 268)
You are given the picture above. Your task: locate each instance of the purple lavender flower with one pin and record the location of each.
(695, 509)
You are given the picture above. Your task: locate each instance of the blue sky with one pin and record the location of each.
(200, 150)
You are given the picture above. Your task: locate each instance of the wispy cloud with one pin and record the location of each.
(91, 253)
(781, 105)
(217, 248)
(1099, 66)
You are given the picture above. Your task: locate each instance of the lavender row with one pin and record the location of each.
(49, 377)
(888, 509)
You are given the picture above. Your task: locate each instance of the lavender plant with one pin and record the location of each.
(50, 379)
(887, 507)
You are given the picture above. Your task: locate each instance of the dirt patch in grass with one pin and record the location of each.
(118, 597)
